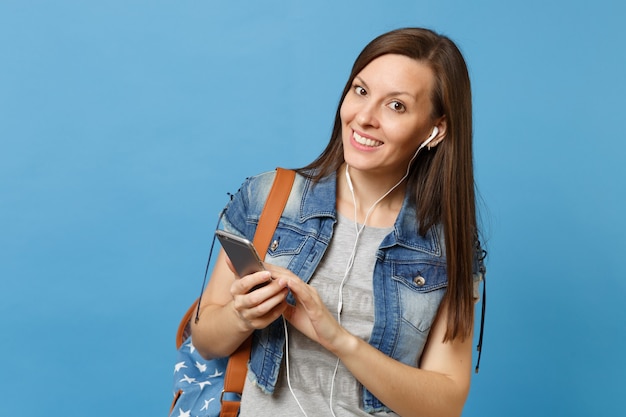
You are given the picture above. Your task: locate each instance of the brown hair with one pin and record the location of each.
(441, 180)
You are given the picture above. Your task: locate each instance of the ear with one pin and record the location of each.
(442, 125)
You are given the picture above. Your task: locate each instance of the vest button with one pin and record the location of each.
(419, 281)
(274, 245)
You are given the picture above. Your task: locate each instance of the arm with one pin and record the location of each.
(438, 388)
(229, 313)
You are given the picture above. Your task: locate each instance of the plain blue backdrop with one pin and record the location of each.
(124, 124)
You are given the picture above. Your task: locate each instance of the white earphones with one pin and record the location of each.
(431, 137)
(358, 231)
(349, 181)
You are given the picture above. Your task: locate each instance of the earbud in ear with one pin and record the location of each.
(431, 137)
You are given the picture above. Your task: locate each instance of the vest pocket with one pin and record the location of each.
(420, 289)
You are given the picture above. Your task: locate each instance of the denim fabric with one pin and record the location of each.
(409, 276)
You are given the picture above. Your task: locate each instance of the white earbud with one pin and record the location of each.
(431, 137)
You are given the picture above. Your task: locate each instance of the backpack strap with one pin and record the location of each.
(237, 368)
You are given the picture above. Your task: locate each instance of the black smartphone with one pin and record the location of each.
(241, 253)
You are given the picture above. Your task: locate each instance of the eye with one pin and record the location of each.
(397, 106)
(359, 90)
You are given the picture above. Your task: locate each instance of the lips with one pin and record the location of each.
(366, 141)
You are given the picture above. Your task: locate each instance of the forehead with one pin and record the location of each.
(398, 73)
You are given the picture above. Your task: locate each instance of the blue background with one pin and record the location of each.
(123, 125)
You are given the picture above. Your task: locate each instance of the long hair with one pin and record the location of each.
(442, 179)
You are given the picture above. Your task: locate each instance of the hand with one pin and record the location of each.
(310, 316)
(230, 311)
(258, 300)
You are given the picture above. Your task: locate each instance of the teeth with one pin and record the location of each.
(365, 141)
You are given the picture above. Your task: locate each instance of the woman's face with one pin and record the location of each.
(386, 115)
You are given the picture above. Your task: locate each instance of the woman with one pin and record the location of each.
(375, 261)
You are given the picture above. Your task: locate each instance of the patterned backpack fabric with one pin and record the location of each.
(198, 383)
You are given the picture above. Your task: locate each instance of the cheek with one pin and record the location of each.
(343, 113)
(408, 132)
(347, 110)
(399, 132)
(346, 119)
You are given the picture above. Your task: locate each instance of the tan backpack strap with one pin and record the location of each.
(237, 368)
(184, 330)
(274, 206)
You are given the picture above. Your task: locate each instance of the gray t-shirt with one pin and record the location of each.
(311, 367)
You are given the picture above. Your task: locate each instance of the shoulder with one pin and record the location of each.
(259, 182)
(246, 204)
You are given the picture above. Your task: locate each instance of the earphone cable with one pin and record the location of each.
(358, 231)
(293, 394)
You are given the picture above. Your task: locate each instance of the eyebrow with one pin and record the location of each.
(393, 93)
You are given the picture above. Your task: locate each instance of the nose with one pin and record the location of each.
(367, 116)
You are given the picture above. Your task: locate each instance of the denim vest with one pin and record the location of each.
(409, 275)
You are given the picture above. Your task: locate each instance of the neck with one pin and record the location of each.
(374, 201)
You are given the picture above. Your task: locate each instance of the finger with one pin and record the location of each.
(305, 294)
(278, 272)
(276, 312)
(246, 284)
(266, 290)
(269, 310)
(258, 301)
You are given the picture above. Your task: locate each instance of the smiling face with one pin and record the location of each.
(387, 114)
